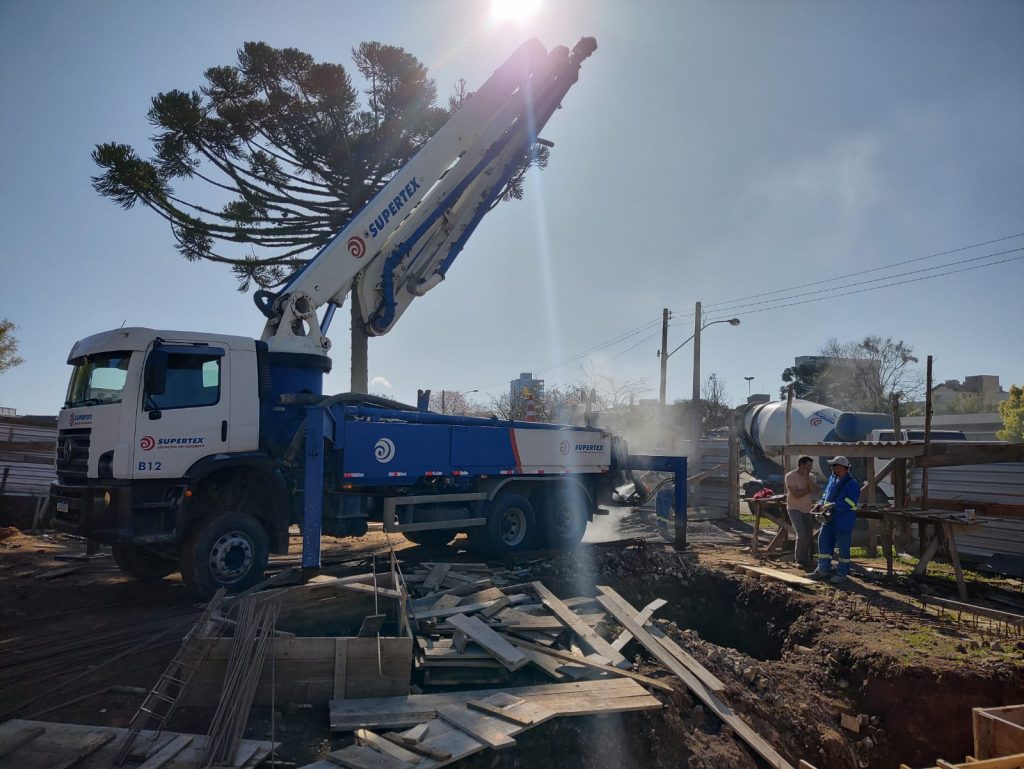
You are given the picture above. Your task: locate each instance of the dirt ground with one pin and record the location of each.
(794, 661)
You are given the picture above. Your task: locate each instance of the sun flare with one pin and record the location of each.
(514, 10)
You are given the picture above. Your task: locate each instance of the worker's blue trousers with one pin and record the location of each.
(830, 538)
(663, 502)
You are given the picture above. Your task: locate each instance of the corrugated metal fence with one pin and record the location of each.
(997, 483)
(27, 459)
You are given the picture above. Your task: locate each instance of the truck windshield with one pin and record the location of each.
(98, 379)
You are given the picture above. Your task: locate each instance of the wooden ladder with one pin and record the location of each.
(163, 698)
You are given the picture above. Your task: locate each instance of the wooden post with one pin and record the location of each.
(894, 400)
(927, 434)
(734, 469)
(789, 428)
(695, 465)
(359, 370)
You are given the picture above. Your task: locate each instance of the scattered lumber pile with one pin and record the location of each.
(44, 745)
(475, 624)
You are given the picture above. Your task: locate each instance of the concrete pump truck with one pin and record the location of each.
(197, 451)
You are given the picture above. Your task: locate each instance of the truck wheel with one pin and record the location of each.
(229, 550)
(511, 525)
(431, 537)
(142, 562)
(565, 519)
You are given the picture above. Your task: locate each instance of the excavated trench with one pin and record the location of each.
(809, 672)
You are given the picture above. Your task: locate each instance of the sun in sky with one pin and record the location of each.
(514, 10)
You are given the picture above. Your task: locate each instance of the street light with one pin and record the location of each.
(457, 392)
(749, 380)
(698, 328)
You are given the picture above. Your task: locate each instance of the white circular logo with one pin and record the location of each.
(384, 450)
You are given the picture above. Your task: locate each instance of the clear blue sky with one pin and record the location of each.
(711, 150)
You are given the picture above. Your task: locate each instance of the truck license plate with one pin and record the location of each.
(62, 506)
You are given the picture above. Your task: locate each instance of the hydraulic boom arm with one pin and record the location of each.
(401, 244)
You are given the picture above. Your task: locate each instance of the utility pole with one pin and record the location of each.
(665, 315)
(927, 434)
(695, 468)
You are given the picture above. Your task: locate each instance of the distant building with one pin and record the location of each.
(526, 382)
(6, 411)
(984, 386)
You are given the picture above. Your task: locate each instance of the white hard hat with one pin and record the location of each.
(840, 461)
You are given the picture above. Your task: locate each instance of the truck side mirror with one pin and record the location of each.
(156, 372)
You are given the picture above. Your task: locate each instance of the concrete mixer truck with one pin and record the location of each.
(764, 425)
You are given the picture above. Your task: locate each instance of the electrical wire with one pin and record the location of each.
(865, 272)
(719, 310)
(726, 310)
(888, 285)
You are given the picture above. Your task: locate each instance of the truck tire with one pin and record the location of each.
(511, 525)
(229, 550)
(565, 518)
(142, 562)
(431, 537)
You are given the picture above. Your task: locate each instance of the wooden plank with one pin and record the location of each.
(954, 558)
(702, 674)
(579, 627)
(357, 757)
(340, 667)
(514, 709)
(706, 676)
(502, 650)
(446, 601)
(643, 618)
(546, 662)
(570, 657)
(418, 747)
(436, 576)
(378, 743)
(487, 594)
(371, 626)
(995, 736)
(774, 574)
(437, 613)
(381, 592)
(416, 734)
(495, 607)
(523, 621)
(480, 727)
(83, 750)
(571, 698)
(20, 739)
(167, 752)
(625, 615)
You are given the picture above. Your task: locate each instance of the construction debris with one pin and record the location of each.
(46, 745)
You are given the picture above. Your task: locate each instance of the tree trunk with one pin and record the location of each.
(360, 357)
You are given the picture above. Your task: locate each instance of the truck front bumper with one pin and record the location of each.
(109, 511)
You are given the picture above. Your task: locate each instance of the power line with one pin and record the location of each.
(726, 310)
(889, 285)
(633, 347)
(865, 272)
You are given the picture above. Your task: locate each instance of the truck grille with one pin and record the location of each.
(73, 456)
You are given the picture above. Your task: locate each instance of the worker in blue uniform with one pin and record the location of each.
(838, 509)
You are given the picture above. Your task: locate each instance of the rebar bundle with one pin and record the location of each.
(254, 634)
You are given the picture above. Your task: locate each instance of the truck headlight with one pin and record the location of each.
(101, 500)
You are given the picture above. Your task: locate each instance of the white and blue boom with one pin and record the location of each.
(196, 451)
